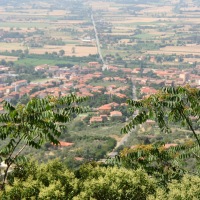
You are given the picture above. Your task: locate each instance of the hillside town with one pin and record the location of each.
(90, 80)
(100, 99)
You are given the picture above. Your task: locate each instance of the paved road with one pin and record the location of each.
(105, 66)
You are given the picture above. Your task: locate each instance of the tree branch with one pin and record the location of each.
(190, 125)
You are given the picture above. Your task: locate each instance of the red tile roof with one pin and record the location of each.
(96, 119)
(105, 107)
(115, 114)
(148, 90)
(65, 144)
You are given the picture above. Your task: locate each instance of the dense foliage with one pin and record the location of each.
(33, 124)
(176, 105)
(54, 181)
(159, 162)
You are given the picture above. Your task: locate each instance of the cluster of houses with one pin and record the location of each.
(106, 112)
(62, 82)
(78, 79)
(167, 77)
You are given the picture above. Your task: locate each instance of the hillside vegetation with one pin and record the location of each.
(146, 172)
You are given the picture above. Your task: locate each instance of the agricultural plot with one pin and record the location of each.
(127, 30)
(179, 50)
(42, 29)
(8, 58)
(147, 28)
(70, 50)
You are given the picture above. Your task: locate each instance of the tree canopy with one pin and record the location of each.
(92, 181)
(177, 105)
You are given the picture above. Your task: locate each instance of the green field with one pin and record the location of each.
(145, 36)
(35, 62)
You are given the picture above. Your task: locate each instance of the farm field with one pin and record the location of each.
(147, 28)
(79, 50)
(127, 30)
(36, 61)
(42, 29)
(8, 58)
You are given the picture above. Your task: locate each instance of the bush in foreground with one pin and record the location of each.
(55, 181)
(92, 181)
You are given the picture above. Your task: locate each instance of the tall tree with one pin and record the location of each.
(61, 52)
